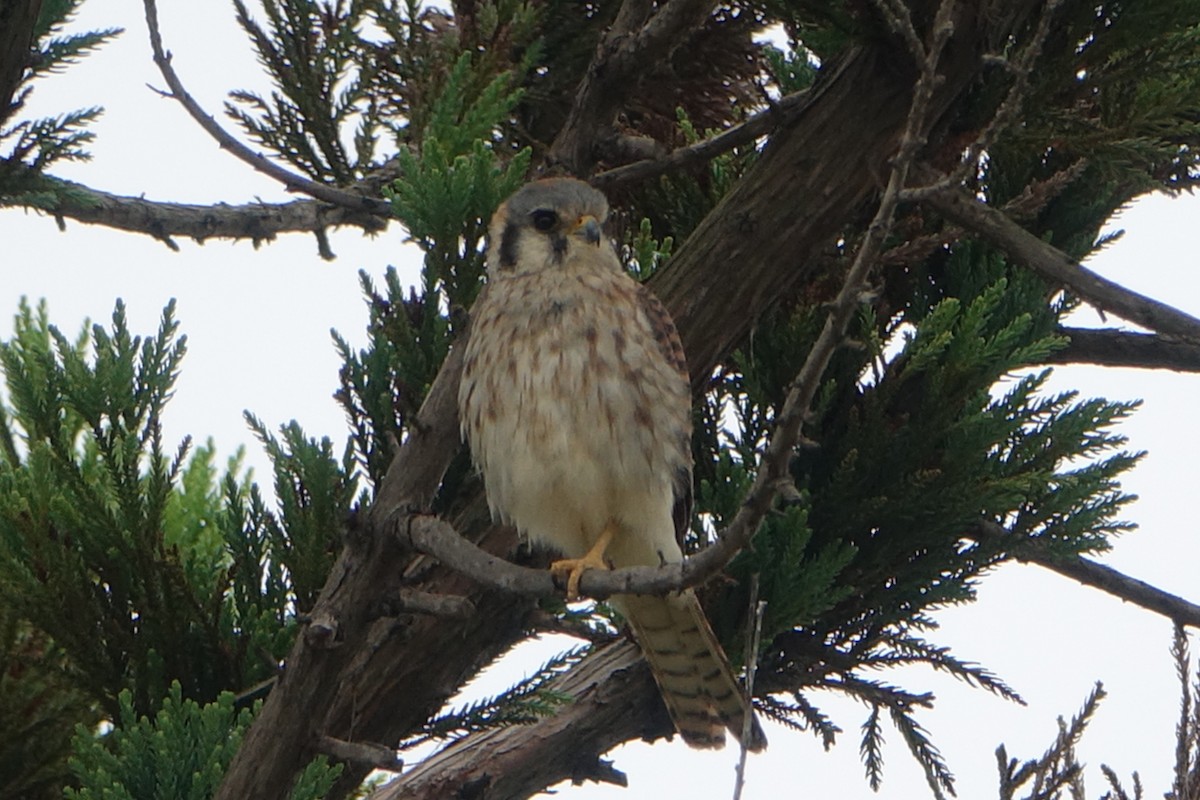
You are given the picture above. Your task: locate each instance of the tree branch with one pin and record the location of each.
(629, 49)
(1060, 269)
(258, 222)
(754, 127)
(1109, 347)
(438, 605)
(375, 756)
(291, 181)
(1100, 576)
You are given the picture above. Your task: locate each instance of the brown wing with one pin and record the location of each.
(669, 344)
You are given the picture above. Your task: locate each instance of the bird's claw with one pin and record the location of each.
(572, 569)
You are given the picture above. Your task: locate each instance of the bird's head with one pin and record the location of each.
(545, 223)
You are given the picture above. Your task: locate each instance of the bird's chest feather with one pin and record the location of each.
(565, 388)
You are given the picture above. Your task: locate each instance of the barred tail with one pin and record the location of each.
(692, 672)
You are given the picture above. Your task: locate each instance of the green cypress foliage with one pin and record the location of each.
(181, 753)
(29, 146)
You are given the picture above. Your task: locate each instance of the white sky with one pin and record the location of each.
(258, 337)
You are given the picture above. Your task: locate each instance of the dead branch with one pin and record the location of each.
(376, 756)
(773, 467)
(1020, 65)
(438, 605)
(258, 222)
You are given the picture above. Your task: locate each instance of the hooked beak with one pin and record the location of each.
(589, 228)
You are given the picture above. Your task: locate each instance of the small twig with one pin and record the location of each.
(290, 180)
(754, 126)
(368, 753)
(753, 642)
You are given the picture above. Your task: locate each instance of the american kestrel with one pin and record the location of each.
(575, 402)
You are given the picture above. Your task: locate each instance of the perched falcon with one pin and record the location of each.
(575, 402)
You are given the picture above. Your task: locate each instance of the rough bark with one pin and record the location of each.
(355, 677)
(613, 700)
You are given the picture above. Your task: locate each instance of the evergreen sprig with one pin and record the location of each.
(454, 179)
(318, 60)
(521, 704)
(39, 708)
(181, 753)
(1057, 769)
(33, 145)
(315, 491)
(905, 455)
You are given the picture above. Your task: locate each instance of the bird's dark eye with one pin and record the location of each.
(544, 219)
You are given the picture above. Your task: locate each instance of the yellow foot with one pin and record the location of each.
(572, 568)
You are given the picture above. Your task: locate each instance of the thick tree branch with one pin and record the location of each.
(630, 48)
(1109, 347)
(611, 691)
(1060, 269)
(1099, 576)
(293, 182)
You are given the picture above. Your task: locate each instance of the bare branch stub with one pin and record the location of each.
(438, 605)
(373, 755)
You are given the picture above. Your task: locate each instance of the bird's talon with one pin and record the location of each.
(573, 568)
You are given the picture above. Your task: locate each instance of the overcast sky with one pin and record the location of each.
(258, 338)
